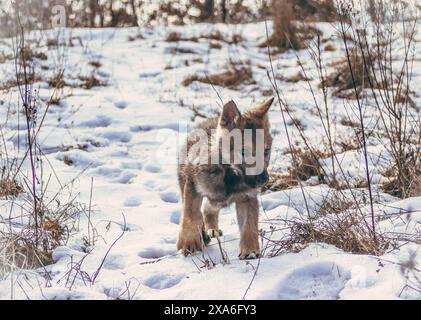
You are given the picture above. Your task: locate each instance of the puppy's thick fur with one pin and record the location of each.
(206, 188)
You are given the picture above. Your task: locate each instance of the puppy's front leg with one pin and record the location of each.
(248, 216)
(211, 217)
(190, 237)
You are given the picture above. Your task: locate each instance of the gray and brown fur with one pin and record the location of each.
(206, 188)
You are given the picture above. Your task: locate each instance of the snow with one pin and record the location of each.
(127, 133)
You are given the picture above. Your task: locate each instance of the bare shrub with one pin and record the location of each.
(389, 85)
(45, 221)
(343, 81)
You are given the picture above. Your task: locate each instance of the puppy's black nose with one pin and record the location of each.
(262, 178)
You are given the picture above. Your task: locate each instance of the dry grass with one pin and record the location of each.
(406, 185)
(16, 253)
(295, 78)
(19, 80)
(215, 45)
(341, 78)
(214, 36)
(9, 188)
(233, 78)
(279, 182)
(56, 81)
(337, 222)
(349, 144)
(345, 232)
(308, 164)
(349, 123)
(95, 64)
(91, 82)
(181, 50)
(330, 48)
(30, 55)
(20, 251)
(31, 247)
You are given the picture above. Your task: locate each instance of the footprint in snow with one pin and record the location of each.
(169, 196)
(151, 74)
(114, 262)
(132, 202)
(121, 136)
(163, 281)
(125, 177)
(121, 104)
(154, 253)
(175, 217)
(152, 168)
(100, 121)
(322, 280)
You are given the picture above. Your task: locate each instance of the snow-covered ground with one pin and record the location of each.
(125, 135)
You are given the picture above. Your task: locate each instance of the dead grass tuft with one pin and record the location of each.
(279, 182)
(349, 123)
(173, 37)
(30, 246)
(56, 81)
(91, 82)
(95, 64)
(295, 78)
(214, 36)
(308, 164)
(233, 78)
(29, 55)
(330, 48)
(18, 253)
(345, 232)
(9, 188)
(337, 222)
(406, 185)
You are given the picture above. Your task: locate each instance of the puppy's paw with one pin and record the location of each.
(213, 233)
(249, 256)
(249, 249)
(190, 241)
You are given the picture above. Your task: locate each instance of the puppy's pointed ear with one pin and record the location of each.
(261, 110)
(230, 116)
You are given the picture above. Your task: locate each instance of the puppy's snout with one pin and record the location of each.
(262, 178)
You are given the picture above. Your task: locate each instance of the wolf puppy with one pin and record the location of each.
(207, 187)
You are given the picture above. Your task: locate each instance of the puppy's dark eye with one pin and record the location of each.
(267, 152)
